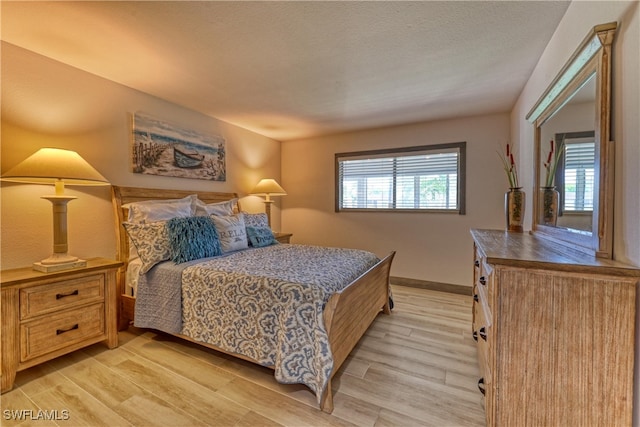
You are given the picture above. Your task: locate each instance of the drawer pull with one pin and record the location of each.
(475, 297)
(68, 294)
(483, 333)
(483, 280)
(476, 263)
(481, 386)
(475, 335)
(62, 331)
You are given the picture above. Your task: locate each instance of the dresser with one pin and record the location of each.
(555, 332)
(45, 315)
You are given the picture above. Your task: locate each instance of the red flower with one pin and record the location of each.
(509, 165)
(551, 163)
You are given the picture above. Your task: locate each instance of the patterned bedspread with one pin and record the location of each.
(267, 304)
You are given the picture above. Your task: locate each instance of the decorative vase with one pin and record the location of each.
(549, 204)
(514, 201)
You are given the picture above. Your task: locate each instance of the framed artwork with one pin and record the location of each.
(160, 148)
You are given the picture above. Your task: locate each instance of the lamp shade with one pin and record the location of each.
(268, 187)
(48, 165)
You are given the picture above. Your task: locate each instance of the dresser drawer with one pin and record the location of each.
(477, 264)
(485, 381)
(485, 284)
(56, 296)
(482, 292)
(61, 330)
(483, 363)
(482, 327)
(482, 334)
(474, 312)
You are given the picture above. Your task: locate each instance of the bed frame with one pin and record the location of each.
(348, 314)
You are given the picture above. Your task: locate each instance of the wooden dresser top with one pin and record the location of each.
(530, 251)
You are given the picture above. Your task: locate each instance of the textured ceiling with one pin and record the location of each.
(292, 70)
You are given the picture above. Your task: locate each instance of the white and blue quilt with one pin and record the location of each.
(264, 303)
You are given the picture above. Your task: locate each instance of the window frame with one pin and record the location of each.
(564, 139)
(390, 152)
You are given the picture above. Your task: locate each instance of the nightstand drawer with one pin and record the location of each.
(54, 332)
(56, 296)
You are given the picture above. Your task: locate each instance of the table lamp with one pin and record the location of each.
(268, 187)
(59, 167)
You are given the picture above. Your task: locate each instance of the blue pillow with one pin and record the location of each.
(260, 236)
(192, 238)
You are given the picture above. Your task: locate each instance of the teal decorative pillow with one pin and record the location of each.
(192, 238)
(232, 232)
(151, 241)
(255, 220)
(260, 236)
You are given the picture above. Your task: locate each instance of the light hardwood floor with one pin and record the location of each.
(416, 367)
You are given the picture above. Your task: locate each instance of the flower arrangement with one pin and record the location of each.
(552, 163)
(509, 167)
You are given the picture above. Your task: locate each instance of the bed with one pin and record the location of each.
(305, 338)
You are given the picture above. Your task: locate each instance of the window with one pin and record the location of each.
(425, 178)
(578, 176)
(575, 177)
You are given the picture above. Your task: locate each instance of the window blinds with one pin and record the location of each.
(416, 179)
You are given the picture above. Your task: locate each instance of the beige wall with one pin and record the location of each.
(46, 103)
(579, 18)
(430, 246)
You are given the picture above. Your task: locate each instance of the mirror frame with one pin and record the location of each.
(592, 56)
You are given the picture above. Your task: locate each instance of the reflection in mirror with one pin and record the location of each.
(571, 128)
(574, 180)
(573, 172)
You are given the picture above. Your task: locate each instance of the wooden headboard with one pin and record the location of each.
(123, 195)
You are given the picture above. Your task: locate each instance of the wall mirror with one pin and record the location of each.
(573, 171)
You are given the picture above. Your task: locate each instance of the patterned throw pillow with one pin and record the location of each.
(151, 241)
(192, 238)
(232, 232)
(256, 220)
(260, 236)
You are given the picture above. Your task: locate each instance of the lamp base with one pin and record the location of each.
(50, 268)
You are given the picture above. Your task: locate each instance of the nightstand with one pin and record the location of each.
(283, 237)
(46, 315)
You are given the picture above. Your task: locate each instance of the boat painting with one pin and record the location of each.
(161, 148)
(187, 159)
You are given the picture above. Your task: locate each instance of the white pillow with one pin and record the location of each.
(161, 210)
(220, 208)
(231, 231)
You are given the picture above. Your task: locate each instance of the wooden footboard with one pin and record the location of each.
(345, 325)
